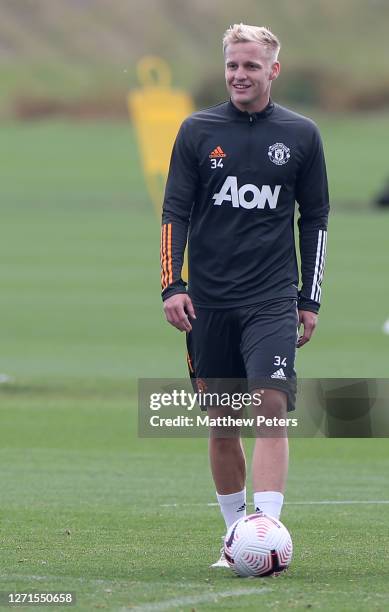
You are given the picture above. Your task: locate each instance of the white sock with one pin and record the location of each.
(232, 506)
(269, 502)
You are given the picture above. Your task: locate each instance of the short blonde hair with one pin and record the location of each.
(240, 32)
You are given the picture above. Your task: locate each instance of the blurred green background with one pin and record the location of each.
(80, 240)
(81, 316)
(78, 56)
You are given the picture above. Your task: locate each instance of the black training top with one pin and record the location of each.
(233, 182)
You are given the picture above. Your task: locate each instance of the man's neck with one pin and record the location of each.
(255, 108)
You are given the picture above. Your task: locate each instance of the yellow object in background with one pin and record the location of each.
(157, 112)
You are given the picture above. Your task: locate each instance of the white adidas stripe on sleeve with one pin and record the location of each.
(319, 265)
(322, 266)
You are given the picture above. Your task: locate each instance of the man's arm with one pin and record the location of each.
(180, 194)
(312, 197)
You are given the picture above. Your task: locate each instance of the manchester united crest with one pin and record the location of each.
(279, 154)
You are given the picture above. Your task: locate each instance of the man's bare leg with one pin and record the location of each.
(271, 455)
(228, 464)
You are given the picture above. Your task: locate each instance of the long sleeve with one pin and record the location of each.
(182, 182)
(313, 200)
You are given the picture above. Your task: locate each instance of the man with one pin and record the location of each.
(236, 171)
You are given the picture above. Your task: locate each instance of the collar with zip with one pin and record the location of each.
(233, 111)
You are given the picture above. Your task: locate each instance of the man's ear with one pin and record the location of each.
(275, 71)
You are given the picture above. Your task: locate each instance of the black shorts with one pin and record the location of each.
(256, 344)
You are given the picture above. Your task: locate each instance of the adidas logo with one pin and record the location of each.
(279, 374)
(218, 152)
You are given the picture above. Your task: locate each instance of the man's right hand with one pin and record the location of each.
(178, 309)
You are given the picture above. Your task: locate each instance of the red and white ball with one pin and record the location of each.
(258, 545)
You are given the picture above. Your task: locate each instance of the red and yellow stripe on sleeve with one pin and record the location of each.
(166, 255)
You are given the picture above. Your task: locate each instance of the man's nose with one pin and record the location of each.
(240, 73)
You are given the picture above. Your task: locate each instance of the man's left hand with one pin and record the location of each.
(309, 320)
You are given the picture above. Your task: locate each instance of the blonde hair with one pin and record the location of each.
(240, 32)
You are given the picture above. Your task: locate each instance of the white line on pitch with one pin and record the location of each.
(55, 577)
(321, 502)
(190, 600)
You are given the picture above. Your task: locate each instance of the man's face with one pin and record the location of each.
(249, 70)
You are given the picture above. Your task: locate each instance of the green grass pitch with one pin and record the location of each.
(86, 505)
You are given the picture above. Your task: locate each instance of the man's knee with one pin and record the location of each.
(225, 445)
(224, 424)
(274, 403)
(270, 415)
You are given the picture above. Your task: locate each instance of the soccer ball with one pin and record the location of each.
(258, 545)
